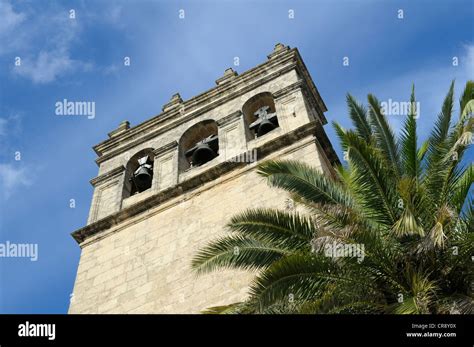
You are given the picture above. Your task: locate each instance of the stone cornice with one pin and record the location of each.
(288, 89)
(124, 126)
(107, 176)
(214, 172)
(230, 118)
(166, 148)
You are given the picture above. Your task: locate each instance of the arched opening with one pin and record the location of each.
(198, 145)
(139, 172)
(260, 115)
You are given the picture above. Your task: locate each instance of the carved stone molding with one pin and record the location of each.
(230, 118)
(107, 176)
(165, 149)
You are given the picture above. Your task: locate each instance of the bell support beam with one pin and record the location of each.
(165, 166)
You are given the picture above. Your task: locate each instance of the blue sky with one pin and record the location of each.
(81, 59)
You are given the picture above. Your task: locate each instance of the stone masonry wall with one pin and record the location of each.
(143, 264)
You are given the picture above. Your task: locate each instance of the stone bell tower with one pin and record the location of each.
(169, 185)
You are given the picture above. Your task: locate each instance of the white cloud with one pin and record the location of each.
(13, 177)
(113, 14)
(46, 67)
(10, 126)
(9, 24)
(43, 40)
(10, 19)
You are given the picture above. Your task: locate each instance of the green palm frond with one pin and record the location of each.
(289, 231)
(464, 241)
(462, 187)
(304, 181)
(456, 304)
(238, 252)
(235, 308)
(358, 307)
(409, 202)
(358, 114)
(451, 171)
(409, 149)
(296, 277)
(373, 181)
(422, 151)
(443, 123)
(437, 236)
(420, 296)
(466, 102)
(384, 135)
(408, 306)
(409, 209)
(407, 224)
(438, 150)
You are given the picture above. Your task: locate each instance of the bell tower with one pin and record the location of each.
(169, 185)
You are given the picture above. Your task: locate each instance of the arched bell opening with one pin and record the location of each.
(260, 115)
(198, 145)
(139, 172)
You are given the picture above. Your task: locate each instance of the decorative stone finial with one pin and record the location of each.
(173, 103)
(124, 126)
(176, 97)
(279, 46)
(229, 74)
(278, 49)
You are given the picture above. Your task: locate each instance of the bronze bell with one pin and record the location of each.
(265, 122)
(204, 150)
(143, 176)
(265, 127)
(203, 154)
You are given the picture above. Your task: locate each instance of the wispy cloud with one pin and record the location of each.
(114, 14)
(43, 41)
(11, 20)
(14, 174)
(10, 127)
(47, 66)
(13, 177)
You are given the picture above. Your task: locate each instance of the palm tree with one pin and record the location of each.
(404, 209)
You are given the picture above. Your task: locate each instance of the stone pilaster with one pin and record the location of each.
(108, 191)
(232, 139)
(165, 166)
